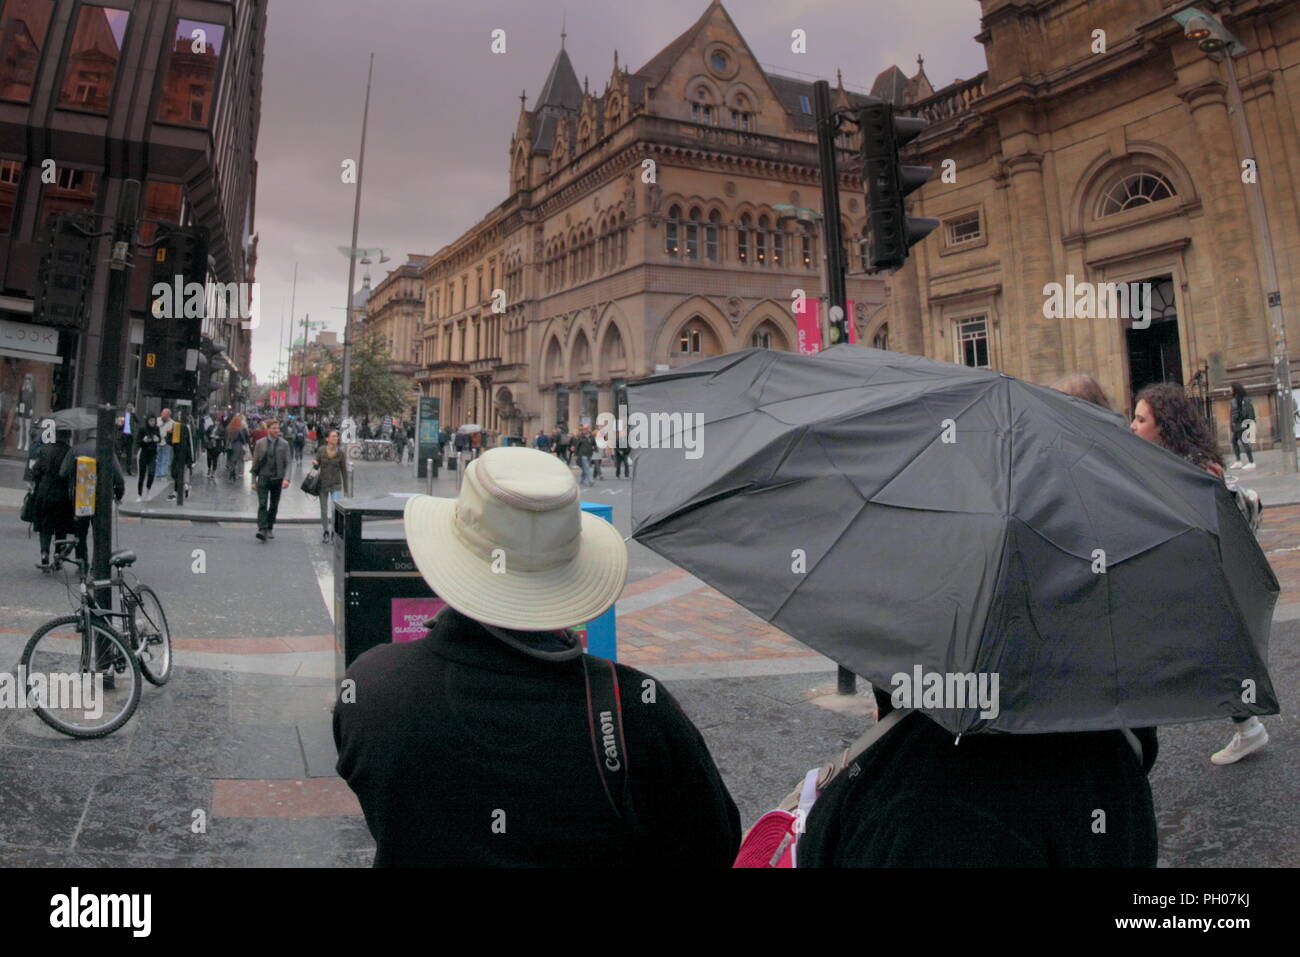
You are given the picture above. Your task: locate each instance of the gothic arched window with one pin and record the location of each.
(672, 233)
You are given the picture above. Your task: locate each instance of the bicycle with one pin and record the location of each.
(97, 665)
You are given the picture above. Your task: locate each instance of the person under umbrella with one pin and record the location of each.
(55, 518)
(990, 552)
(1165, 416)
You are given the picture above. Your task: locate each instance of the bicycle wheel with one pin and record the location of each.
(68, 689)
(151, 637)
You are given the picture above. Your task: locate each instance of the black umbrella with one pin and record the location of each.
(910, 517)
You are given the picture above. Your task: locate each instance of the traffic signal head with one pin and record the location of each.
(66, 271)
(888, 181)
(174, 323)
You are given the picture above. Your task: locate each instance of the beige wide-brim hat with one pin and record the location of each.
(515, 550)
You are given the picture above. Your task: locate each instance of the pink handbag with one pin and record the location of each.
(774, 838)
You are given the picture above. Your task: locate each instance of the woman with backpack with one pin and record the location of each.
(1243, 418)
(1164, 415)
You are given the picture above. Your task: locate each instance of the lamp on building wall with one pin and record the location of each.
(1212, 37)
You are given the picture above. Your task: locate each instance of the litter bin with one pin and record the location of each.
(379, 595)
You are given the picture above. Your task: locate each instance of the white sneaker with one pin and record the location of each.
(139, 498)
(1242, 744)
(1234, 464)
(1248, 466)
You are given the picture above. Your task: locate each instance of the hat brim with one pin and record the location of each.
(572, 594)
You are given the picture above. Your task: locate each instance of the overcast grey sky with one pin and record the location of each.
(443, 108)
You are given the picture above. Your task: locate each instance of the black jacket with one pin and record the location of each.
(1243, 410)
(915, 799)
(457, 731)
(584, 446)
(54, 510)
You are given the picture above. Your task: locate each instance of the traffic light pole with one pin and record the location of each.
(110, 378)
(837, 323)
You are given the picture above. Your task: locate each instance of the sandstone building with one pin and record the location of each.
(606, 273)
(1117, 166)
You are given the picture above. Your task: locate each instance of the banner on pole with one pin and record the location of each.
(809, 326)
(853, 324)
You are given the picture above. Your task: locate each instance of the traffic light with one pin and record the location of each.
(66, 271)
(888, 181)
(173, 326)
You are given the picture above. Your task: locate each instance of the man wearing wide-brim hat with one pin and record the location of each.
(489, 742)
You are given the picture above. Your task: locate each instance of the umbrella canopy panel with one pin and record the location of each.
(894, 512)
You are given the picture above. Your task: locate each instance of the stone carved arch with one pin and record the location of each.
(613, 334)
(696, 307)
(775, 313)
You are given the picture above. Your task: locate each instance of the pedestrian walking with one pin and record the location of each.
(182, 445)
(54, 510)
(165, 424)
(271, 477)
(399, 442)
(1164, 415)
(127, 426)
(239, 441)
(148, 440)
(584, 446)
(621, 468)
(542, 442)
(299, 440)
(570, 760)
(214, 443)
(1243, 422)
(332, 466)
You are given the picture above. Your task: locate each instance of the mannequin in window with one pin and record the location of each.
(26, 411)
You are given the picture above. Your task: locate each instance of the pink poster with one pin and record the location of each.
(810, 330)
(853, 323)
(296, 397)
(313, 399)
(410, 614)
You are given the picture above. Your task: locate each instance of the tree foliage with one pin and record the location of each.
(375, 389)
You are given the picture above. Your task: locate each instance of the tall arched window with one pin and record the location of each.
(693, 235)
(778, 245)
(673, 232)
(604, 243)
(760, 241)
(711, 236)
(809, 242)
(881, 339)
(742, 238)
(622, 238)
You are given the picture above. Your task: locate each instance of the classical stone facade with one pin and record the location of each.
(640, 231)
(1118, 166)
(395, 311)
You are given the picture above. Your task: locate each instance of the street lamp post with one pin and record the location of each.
(1213, 38)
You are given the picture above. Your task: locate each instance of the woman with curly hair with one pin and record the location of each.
(1164, 415)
